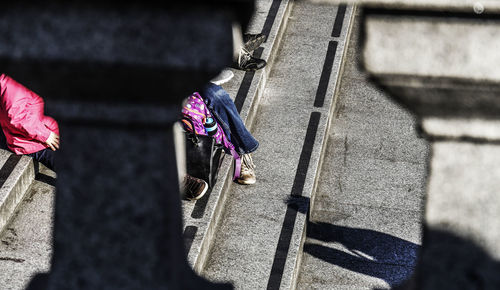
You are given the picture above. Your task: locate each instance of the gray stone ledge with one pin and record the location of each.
(435, 65)
(462, 192)
(15, 188)
(418, 45)
(460, 128)
(207, 226)
(443, 96)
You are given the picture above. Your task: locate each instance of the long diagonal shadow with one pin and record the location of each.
(364, 251)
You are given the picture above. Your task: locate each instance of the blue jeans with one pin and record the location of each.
(46, 157)
(222, 107)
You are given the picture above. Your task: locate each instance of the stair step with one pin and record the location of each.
(364, 229)
(246, 88)
(258, 242)
(26, 243)
(16, 175)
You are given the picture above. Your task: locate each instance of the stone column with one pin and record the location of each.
(443, 66)
(114, 75)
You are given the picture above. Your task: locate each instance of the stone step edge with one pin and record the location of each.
(249, 111)
(333, 107)
(200, 248)
(294, 257)
(15, 189)
(292, 266)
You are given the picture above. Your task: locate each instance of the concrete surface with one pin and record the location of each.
(445, 47)
(464, 181)
(16, 175)
(259, 240)
(457, 128)
(26, 244)
(365, 226)
(435, 64)
(118, 198)
(246, 89)
(442, 68)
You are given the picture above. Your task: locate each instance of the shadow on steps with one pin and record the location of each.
(363, 251)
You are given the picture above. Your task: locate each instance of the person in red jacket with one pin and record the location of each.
(27, 130)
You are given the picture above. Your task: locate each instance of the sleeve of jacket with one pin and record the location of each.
(24, 120)
(24, 111)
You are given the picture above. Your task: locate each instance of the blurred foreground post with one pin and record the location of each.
(114, 75)
(442, 65)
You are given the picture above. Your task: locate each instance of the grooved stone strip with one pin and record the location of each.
(188, 235)
(325, 74)
(46, 179)
(305, 155)
(339, 20)
(8, 167)
(201, 205)
(291, 213)
(268, 24)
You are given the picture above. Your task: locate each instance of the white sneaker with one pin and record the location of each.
(223, 77)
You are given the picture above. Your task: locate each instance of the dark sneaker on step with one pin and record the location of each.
(253, 41)
(194, 188)
(249, 63)
(247, 175)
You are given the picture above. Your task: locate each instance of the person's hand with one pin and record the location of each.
(53, 141)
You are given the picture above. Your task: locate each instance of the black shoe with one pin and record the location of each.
(252, 41)
(249, 63)
(194, 188)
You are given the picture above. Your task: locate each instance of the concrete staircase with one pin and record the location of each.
(16, 175)
(26, 242)
(202, 217)
(27, 191)
(251, 236)
(364, 229)
(356, 203)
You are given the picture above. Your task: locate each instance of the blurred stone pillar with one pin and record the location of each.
(443, 66)
(114, 75)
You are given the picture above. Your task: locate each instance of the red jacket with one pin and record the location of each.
(25, 126)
